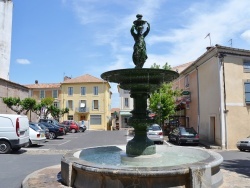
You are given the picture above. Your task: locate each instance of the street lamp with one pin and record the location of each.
(159, 107)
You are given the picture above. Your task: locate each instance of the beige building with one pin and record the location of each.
(88, 99)
(216, 98)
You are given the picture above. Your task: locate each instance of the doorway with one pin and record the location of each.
(212, 130)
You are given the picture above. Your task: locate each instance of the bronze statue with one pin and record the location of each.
(140, 53)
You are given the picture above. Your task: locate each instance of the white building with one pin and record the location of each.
(125, 108)
(6, 8)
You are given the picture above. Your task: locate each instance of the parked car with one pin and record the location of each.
(43, 127)
(82, 127)
(54, 131)
(155, 133)
(182, 135)
(54, 122)
(37, 135)
(73, 126)
(244, 144)
(14, 132)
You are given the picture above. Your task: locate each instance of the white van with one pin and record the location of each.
(14, 132)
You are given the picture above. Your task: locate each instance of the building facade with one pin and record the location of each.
(218, 84)
(88, 99)
(126, 105)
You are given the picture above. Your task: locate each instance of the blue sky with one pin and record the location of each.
(56, 38)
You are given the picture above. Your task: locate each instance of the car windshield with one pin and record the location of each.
(154, 128)
(187, 131)
(34, 127)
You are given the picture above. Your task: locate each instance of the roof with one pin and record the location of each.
(10, 82)
(85, 78)
(43, 86)
(218, 49)
(182, 67)
(113, 110)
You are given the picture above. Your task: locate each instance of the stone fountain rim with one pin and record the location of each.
(213, 160)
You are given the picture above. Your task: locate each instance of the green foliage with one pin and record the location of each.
(48, 101)
(165, 67)
(162, 101)
(14, 103)
(28, 104)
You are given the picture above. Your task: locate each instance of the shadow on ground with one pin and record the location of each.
(238, 166)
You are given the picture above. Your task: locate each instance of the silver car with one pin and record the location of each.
(155, 133)
(244, 144)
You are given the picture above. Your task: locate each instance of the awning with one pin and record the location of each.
(125, 113)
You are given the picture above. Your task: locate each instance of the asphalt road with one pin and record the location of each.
(15, 167)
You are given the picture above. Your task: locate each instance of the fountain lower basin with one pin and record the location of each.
(109, 166)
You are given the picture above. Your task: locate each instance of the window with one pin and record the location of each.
(247, 92)
(95, 90)
(56, 104)
(42, 94)
(55, 94)
(126, 91)
(70, 117)
(126, 102)
(70, 104)
(246, 66)
(83, 90)
(95, 119)
(70, 91)
(82, 106)
(186, 81)
(95, 104)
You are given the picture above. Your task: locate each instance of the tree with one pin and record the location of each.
(14, 103)
(162, 101)
(28, 104)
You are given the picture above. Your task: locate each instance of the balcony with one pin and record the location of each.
(82, 110)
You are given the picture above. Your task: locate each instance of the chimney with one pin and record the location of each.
(66, 78)
(36, 81)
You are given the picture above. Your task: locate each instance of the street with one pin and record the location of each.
(16, 166)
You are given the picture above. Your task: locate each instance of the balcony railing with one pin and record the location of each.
(82, 109)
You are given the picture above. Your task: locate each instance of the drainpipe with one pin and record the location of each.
(198, 96)
(222, 109)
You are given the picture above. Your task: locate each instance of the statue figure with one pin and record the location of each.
(140, 53)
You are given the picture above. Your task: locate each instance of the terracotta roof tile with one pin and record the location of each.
(115, 109)
(180, 68)
(43, 86)
(85, 78)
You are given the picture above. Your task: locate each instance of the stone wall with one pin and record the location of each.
(11, 89)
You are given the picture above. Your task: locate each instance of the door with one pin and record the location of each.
(212, 130)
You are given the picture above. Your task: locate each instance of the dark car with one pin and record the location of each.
(182, 135)
(54, 131)
(54, 122)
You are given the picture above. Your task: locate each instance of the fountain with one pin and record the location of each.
(141, 163)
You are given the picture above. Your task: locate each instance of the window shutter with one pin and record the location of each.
(67, 104)
(93, 105)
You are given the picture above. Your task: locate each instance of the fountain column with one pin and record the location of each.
(140, 144)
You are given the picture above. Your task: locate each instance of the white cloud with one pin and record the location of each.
(23, 61)
(246, 35)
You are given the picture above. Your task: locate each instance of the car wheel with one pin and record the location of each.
(81, 130)
(4, 147)
(16, 149)
(73, 130)
(242, 150)
(52, 135)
